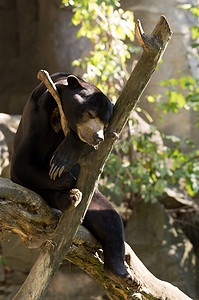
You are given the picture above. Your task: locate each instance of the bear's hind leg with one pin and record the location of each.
(104, 222)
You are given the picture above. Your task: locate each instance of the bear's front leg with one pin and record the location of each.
(67, 155)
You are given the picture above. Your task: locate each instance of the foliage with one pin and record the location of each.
(108, 27)
(194, 29)
(137, 167)
(185, 85)
(182, 93)
(152, 169)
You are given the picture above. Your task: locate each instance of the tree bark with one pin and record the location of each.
(86, 254)
(25, 213)
(58, 244)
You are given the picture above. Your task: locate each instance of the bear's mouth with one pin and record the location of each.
(89, 141)
(91, 132)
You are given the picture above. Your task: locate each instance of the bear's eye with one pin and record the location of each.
(91, 115)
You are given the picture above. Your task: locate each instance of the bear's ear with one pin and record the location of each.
(73, 82)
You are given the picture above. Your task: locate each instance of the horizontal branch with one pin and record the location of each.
(25, 213)
(87, 255)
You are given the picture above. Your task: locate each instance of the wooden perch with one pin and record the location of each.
(44, 76)
(85, 253)
(30, 217)
(26, 213)
(58, 245)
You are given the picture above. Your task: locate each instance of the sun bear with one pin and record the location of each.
(45, 159)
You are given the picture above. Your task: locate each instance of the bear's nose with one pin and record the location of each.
(98, 136)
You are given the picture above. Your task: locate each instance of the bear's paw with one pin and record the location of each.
(75, 196)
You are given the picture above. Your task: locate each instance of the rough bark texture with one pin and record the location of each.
(29, 216)
(26, 213)
(58, 244)
(86, 254)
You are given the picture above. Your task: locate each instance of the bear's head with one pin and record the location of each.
(86, 108)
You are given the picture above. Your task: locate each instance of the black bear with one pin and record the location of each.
(45, 159)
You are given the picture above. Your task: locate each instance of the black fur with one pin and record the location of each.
(37, 143)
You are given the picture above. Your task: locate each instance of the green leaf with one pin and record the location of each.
(160, 186)
(151, 99)
(177, 98)
(195, 45)
(195, 32)
(189, 189)
(190, 143)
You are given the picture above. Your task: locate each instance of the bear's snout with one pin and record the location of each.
(98, 137)
(91, 131)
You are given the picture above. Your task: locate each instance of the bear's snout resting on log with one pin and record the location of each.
(51, 139)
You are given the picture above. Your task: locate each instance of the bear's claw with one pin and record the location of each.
(61, 171)
(133, 283)
(55, 169)
(123, 277)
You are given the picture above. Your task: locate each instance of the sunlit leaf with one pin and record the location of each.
(151, 99)
(195, 32)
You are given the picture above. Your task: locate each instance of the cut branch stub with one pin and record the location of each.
(154, 46)
(148, 42)
(44, 76)
(162, 31)
(155, 41)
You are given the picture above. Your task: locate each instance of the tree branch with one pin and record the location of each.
(86, 254)
(55, 249)
(25, 213)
